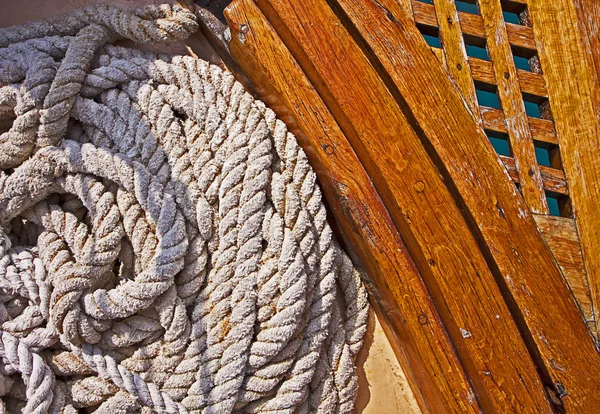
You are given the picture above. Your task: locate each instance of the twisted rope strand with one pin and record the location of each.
(163, 242)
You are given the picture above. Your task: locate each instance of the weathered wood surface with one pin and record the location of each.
(532, 84)
(423, 208)
(554, 179)
(511, 99)
(561, 235)
(525, 265)
(456, 60)
(542, 130)
(521, 37)
(414, 328)
(588, 13)
(567, 61)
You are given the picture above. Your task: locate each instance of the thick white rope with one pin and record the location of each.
(164, 246)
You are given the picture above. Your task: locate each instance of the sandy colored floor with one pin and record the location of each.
(383, 386)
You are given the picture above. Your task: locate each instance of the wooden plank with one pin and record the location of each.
(542, 130)
(574, 96)
(561, 235)
(554, 180)
(509, 92)
(524, 265)
(520, 37)
(434, 229)
(532, 84)
(406, 5)
(457, 61)
(410, 318)
(588, 13)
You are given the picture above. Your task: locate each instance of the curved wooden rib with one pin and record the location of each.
(413, 325)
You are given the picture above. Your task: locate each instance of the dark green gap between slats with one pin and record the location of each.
(553, 205)
(486, 98)
(511, 17)
(463, 6)
(500, 142)
(432, 40)
(532, 109)
(477, 52)
(542, 155)
(522, 63)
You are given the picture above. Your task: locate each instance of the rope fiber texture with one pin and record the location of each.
(164, 246)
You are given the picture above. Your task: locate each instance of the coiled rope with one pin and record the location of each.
(164, 246)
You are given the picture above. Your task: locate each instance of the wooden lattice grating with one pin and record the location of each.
(531, 82)
(464, 50)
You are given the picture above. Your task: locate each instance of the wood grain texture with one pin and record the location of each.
(561, 235)
(509, 92)
(435, 231)
(574, 95)
(588, 14)
(532, 84)
(525, 268)
(554, 179)
(542, 130)
(457, 61)
(409, 316)
(520, 37)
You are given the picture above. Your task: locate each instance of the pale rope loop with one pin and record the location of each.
(167, 227)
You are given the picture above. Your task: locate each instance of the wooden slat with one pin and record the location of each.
(533, 283)
(411, 320)
(531, 83)
(561, 235)
(406, 5)
(434, 229)
(457, 61)
(554, 180)
(574, 94)
(542, 130)
(509, 92)
(521, 37)
(588, 13)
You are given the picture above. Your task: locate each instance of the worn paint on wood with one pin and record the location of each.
(542, 130)
(521, 37)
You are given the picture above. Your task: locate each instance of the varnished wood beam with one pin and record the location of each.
(435, 231)
(410, 318)
(524, 265)
(457, 62)
(567, 60)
